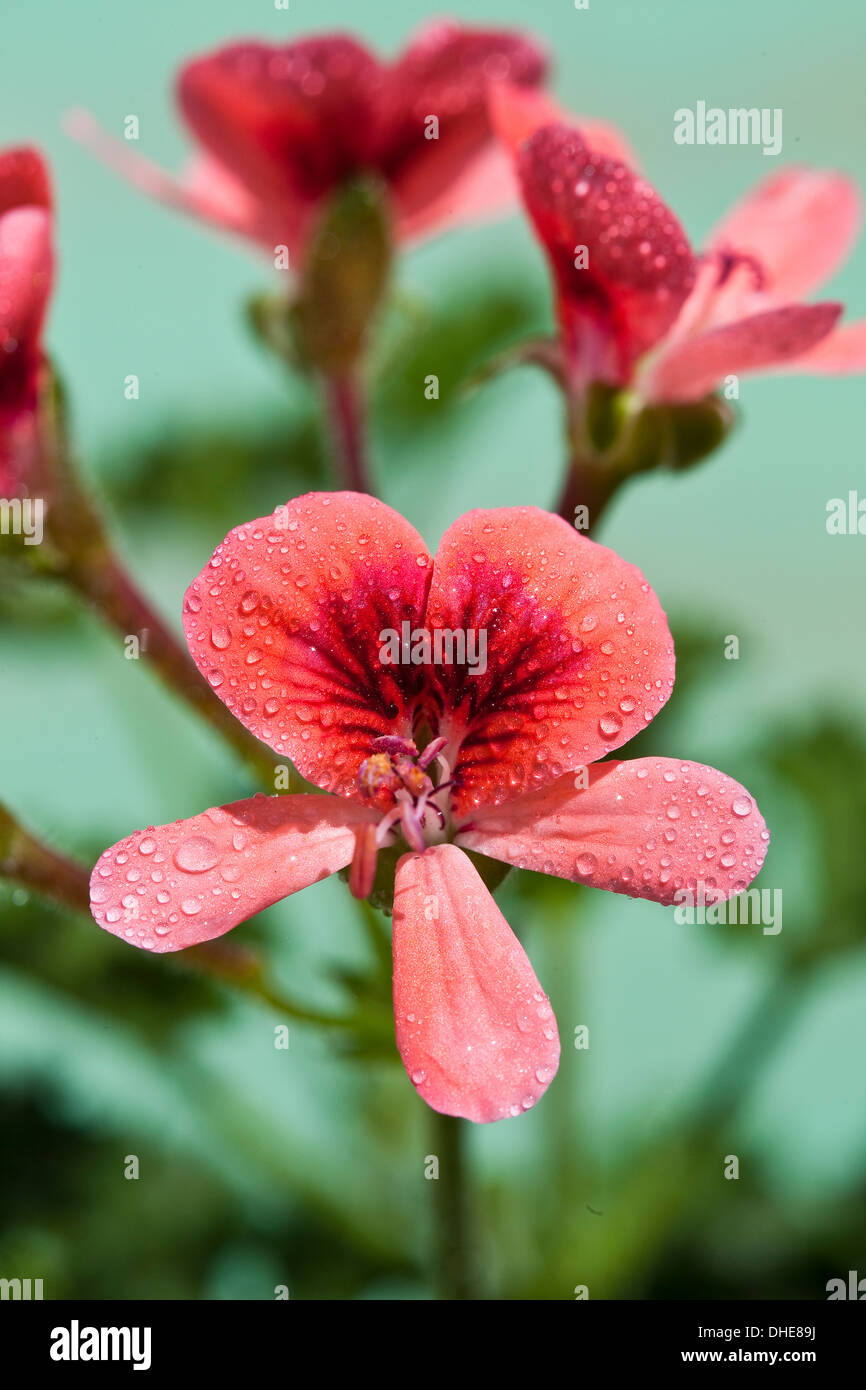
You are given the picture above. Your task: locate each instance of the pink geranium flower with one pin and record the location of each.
(289, 623)
(745, 313)
(281, 127)
(26, 264)
(621, 263)
(645, 312)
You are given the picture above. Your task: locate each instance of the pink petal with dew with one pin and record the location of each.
(173, 886)
(800, 226)
(695, 366)
(645, 827)
(475, 1030)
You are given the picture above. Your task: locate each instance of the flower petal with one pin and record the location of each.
(24, 179)
(578, 652)
(843, 350)
(447, 71)
(289, 121)
(285, 620)
(477, 191)
(173, 886)
(799, 225)
(26, 268)
(474, 1028)
(645, 827)
(695, 366)
(621, 293)
(518, 112)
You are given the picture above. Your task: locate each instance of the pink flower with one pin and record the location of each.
(26, 265)
(281, 127)
(745, 313)
(291, 623)
(621, 263)
(643, 311)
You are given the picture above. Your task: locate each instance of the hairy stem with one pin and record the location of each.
(344, 407)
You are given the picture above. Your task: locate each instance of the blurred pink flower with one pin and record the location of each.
(280, 127)
(26, 267)
(287, 624)
(783, 240)
(644, 311)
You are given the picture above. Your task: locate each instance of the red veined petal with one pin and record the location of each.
(799, 225)
(474, 1028)
(24, 179)
(285, 620)
(639, 266)
(173, 886)
(287, 121)
(694, 366)
(578, 652)
(646, 827)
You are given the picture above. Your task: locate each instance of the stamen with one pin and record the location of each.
(363, 871)
(412, 828)
(430, 752)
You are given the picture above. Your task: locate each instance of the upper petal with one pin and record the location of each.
(24, 179)
(285, 623)
(517, 112)
(474, 1028)
(798, 224)
(286, 120)
(26, 267)
(447, 72)
(647, 827)
(578, 652)
(621, 293)
(843, 350)
(694, 366)
(173, 886)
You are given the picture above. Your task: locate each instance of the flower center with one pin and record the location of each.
(729, 261)
(396, 780)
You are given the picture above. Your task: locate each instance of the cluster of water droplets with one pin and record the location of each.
(159, 888)
(699, 826)
(268, 624)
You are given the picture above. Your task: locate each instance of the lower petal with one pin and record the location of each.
(647, 827)
(173, 886)
(841, 352)
(762, 342)
(475, 1030)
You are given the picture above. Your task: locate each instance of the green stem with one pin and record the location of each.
(589, 485)
(344, 408)
(452, 1260)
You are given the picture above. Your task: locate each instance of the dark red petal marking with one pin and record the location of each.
(697, 365)
(579, 656)
(285, 620)
(647, 827)
(173, 886)
(640, 265)
(24, 180)
(288, 121)
(474, 1028)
